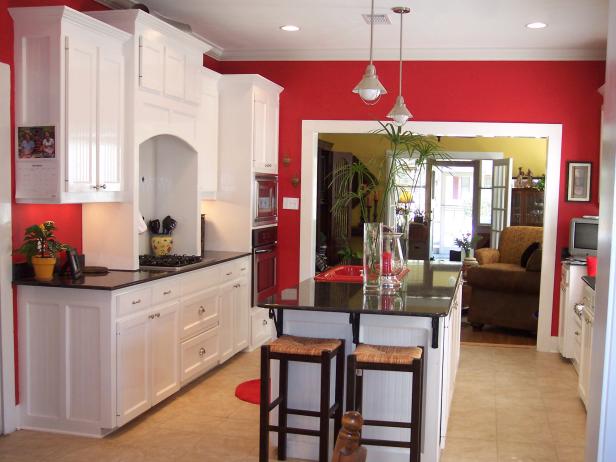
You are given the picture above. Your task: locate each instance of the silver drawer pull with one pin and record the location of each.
(167, 292)
(202, 352)
(157, 315)
(576, 333)
(243, 269)
(229, 273)
(201, 309)
(265, 322)
(152, 316)
(136, 302)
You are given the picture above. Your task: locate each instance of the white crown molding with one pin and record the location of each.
(441, 54)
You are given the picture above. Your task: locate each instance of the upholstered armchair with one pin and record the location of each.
(505, 293)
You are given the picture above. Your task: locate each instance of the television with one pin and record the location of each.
(583, 237)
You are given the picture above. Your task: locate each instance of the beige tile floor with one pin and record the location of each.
(510, 404)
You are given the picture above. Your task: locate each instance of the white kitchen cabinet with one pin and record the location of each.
(588, 317)
(133, 375)
(200, 354)
(234, 317)
(200, 312)
(261, 328)
(570, 294)
(164, 353)
(69, 76)
(208, 154)
(265, 130)
(227, 308)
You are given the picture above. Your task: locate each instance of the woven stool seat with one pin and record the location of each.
(308, 346)
(379, 354)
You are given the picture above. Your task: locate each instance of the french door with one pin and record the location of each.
(501, 198)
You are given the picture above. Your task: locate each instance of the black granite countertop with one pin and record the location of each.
(427, 291)
(117, 279)
(590, 281)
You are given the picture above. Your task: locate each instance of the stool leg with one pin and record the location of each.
(282, 409)
(351, 379)
(339, 389)
(416, 412)
(359, 389)
(324, 417)
(264, 405)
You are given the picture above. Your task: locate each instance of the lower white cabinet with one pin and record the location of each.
(92, 360)
(148, 359)
(234, 317)
(588, 317)
(261, 329)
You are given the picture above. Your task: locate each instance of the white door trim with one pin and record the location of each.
(9, 414)
(553, 133)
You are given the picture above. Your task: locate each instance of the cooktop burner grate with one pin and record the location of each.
(168, 262)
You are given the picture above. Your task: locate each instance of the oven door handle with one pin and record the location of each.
(264, 251)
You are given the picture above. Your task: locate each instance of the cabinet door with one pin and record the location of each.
(151, 64)
(199, 313)
(110, 118)
(133, 382)
(175, 73)
(227, 303)
(164, 347)
(80, 80)
(241, 312)
(192, 85)
(271, 145)
(259, 132)
(208, 155)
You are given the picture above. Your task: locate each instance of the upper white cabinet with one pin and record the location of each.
(69, 78)
(208, 134)
(249, 113)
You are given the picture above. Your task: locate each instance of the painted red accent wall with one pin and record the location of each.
(67, 217)
(537, 92)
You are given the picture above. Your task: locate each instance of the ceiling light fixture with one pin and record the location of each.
(399, 113)
(369, 88)
(536, 25)
(289, 28)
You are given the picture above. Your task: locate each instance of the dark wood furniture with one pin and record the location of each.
(348, 446)
(526, 207)
(308, 350)
(419, 241)
(388, 358)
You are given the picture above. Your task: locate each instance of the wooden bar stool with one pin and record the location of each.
(307, 350)
(388, 358)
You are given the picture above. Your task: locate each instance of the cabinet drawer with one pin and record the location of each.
(166, 290)
(133, 301)
(235, 269)
(199, 313)
(199, 280)
(261, 326)
(199, 354)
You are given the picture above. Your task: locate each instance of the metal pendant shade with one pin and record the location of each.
(369, 88)
(399, 113)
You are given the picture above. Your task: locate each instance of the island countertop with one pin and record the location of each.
(427, 291)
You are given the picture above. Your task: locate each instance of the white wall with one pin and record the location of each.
(8, 423)
(601, 422)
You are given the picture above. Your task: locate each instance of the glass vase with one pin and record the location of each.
(392, 262)
(373, 233)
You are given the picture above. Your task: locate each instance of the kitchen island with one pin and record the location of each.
(425, 312)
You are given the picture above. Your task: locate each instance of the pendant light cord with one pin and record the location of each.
(400, 78)
(371, 27)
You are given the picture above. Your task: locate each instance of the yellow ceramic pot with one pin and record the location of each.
(43, 268)
(162, 245)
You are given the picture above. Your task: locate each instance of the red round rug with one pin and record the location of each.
(249, 391)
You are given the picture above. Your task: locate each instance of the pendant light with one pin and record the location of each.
(369, 88)
(399, 113)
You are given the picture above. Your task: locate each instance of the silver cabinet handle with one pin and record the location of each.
(167, 292)
(201, 309)
(229, 273)
(152, 316)
(157, 315)
(202, 352)
(578, 308)
(265, 322)
(237, 286)
(242, 269)
(576, 333)
(136, 302)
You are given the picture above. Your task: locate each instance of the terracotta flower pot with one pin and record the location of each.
(43, 268)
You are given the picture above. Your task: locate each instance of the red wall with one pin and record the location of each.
(538, 92)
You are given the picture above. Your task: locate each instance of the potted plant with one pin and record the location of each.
(467, 244)
(41, 248)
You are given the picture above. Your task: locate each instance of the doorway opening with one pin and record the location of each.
(550, 134)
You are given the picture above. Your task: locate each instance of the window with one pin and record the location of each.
(485, 193)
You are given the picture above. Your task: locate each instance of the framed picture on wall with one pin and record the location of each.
(578, 181)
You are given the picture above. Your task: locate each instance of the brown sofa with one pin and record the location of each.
(503, 292)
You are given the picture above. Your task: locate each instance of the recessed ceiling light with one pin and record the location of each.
(537, 25)
(289, 28)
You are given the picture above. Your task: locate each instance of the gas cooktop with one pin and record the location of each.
(169, 262)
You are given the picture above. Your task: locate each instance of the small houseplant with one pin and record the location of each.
(41, 248)
(467, 244)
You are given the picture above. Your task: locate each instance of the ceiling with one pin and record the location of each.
(435, 29)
